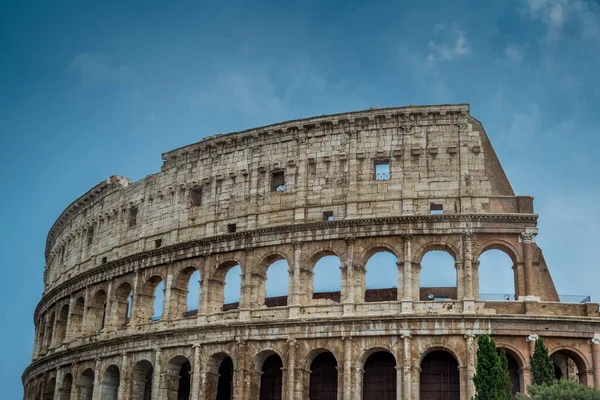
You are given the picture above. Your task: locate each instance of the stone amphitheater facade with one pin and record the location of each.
(298, 191)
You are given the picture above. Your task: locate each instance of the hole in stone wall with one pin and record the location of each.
(327, 278)
(276, 291)
(158, 304)
(157, 243)
(193, 295)
(328, 216)
(382, 170)
(496, 276)
(232, 288)
(231, 228)
(104, 260)
(133, 212)
(278, 181)
(436, 209)
(196, 196)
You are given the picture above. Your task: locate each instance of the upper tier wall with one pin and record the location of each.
(436, 154)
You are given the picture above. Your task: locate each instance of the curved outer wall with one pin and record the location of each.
(253, 197)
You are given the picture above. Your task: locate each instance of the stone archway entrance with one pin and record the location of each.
(271, 380)
(379, 379)
(323, 377)
(440, 379)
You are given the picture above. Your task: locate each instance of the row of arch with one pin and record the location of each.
(189, 294)
(438, 369)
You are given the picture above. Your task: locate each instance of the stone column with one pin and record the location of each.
(531, 339)
(528, 240)
(68, 330)
(157, 375)
(347, 371)
(595, 342)
(296, 288)
(470, 367)
(407, 367)
(468, 298)
(407, 295)
(196, 368)
(58, 384)
(240, 374)
(123, 379)
(97, 380)
(167, 298)
(291, 368)
(349, 296)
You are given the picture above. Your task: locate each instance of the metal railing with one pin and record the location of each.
(382, 176)
(564, 298)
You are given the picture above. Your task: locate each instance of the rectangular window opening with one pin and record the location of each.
(196, 196)
(278, 181)
(90, 236)
(436, 209)
(133, 211)
(231, 228)
(157, 243)
(382, 170)
(104, 260)
(328, 216)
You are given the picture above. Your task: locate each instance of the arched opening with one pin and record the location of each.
(569, 365)
(150, 300)
(513, 372)
(97, 312)
(61, 324)
(67, 386)
(439, 377)
(50, 387)
(497, 279)
(381, 277)
(109, 386)
(77, 317)
(232, 288)
(379, 378)
(41, 331)
(225, 380)
(438, 277)
(177, 379)
(323, 377)
(49, 329)
(276, 285)
(193, 292)
(122, 304)
(271, 379)
(86, 384)
(327, 278)
(185, 293)
(141, 380)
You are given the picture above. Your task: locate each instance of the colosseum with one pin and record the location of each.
(348, 187)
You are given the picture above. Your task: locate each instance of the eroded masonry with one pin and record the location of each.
(404, 181)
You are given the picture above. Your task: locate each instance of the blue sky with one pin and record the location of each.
(92, 90)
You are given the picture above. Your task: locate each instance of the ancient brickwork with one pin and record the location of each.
(401, 180)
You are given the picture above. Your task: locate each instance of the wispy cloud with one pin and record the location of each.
(515, 52)
(96, 69)
(555, 14)
(455, 46)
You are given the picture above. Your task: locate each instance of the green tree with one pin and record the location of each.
(560, 389)
(542, 366)
(491, 377)
(506, 383)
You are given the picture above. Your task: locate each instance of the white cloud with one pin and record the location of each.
(95, 69)
(515, 52)
(457, 47)
(555, 14)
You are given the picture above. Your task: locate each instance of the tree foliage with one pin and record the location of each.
(491, 379)
(542, 366)
(560, 389)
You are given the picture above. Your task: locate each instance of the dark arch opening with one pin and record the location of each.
(65, 390)
(141, 380)
(225, 383)
(439, 377)
(61, 324)
(49, 394)
(271, 379)
(86, 384)
(123, 298)
(183, 391)
(109, 387)
(513, 373)
(323, 377)
(379, 379)
(568, 365)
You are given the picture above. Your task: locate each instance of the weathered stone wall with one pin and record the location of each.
(122, 239)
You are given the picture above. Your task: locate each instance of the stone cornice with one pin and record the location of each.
(332, 226)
